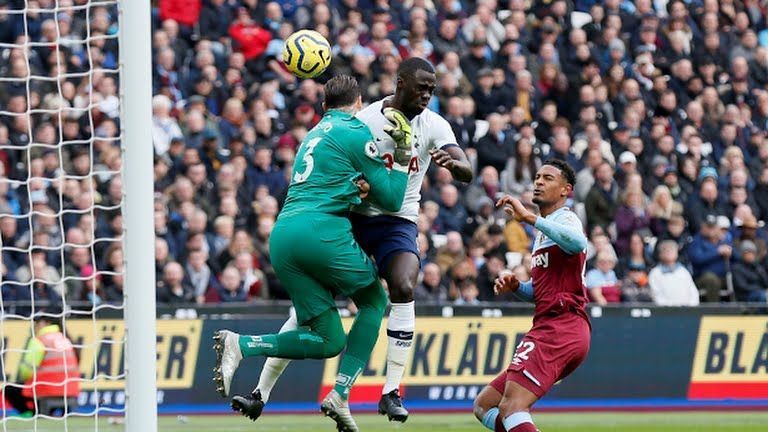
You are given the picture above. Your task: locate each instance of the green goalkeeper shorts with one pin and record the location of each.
(316, 258)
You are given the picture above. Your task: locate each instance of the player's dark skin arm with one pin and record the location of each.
(454, 160)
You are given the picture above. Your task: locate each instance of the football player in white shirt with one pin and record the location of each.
(391, 237)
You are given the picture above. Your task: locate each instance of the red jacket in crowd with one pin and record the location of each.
(185, 12)
(251, 38)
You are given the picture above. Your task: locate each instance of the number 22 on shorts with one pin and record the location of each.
(522, 351)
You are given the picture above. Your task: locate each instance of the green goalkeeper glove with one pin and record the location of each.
(400, 131)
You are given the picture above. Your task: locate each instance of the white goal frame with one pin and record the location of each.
(138, 234)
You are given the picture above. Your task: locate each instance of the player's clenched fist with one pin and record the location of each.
(505, 282)
(400, 131)
(515, 208)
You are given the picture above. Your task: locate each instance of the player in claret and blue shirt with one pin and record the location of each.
(559, 340)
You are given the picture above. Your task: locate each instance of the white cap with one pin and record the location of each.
(627, 156)
(723, 222)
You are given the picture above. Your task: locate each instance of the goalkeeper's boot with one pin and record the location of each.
(337, 409)
(228, 356)
(391, 405)
(249, 405)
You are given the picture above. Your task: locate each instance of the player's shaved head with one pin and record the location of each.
(410, 66)
(416, 83)
(341, 91)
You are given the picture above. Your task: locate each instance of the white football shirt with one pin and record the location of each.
(430, 131)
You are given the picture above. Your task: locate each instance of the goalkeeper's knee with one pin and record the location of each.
(335, 343)
(372, 298)
(328, 326)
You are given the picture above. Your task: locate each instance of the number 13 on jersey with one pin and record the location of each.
(309, 162)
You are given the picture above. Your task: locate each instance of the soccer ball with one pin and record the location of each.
(306, 53)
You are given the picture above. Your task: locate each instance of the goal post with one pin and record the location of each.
(136, 89)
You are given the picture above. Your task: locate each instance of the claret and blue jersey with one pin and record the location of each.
(557, 265)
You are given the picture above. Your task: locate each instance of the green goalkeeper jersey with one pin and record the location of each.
(332, 156)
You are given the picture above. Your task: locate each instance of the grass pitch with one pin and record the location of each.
(547, 422)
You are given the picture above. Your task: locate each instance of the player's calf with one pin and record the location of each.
(401, 276)
(485, 407)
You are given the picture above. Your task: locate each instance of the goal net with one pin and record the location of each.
(64, 350)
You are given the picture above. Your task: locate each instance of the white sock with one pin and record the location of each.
(516, 419)
(402, 321)
(274, 367)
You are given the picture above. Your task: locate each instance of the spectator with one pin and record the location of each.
(525, 96)
(223, 230)
(42, 275)
(198, 273)
(585, 178)
(431, 288)
(489, 98)
(452, 213)
(706, 202)
(251, 39)
(485, 18)
(114, 290)
(636, 255)
(462, 125)
(601, 281)
(670, 282)
(254, 280)
(496, 146)
(631, 217)
(173, 289)
(185, 12)
(231, 287)
(487, 274)
(485, 187)
(521, 169)
(750, 280)
(476, 59)
(483, 214)
(78, 259)
(749, 229)
(447, 41)
(710, 253)
(661, 209)
(467, 293)
(635, 287)
(164, 127)
(265, 172)
(214, 20)
(452, 253)
(602, 199)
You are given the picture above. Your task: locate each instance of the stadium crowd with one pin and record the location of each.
(660, 106)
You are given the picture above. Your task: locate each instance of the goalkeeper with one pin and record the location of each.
(314, 253)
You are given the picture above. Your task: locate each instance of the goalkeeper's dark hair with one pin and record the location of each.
(341, 91)
(410, 66)
(565, 169)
